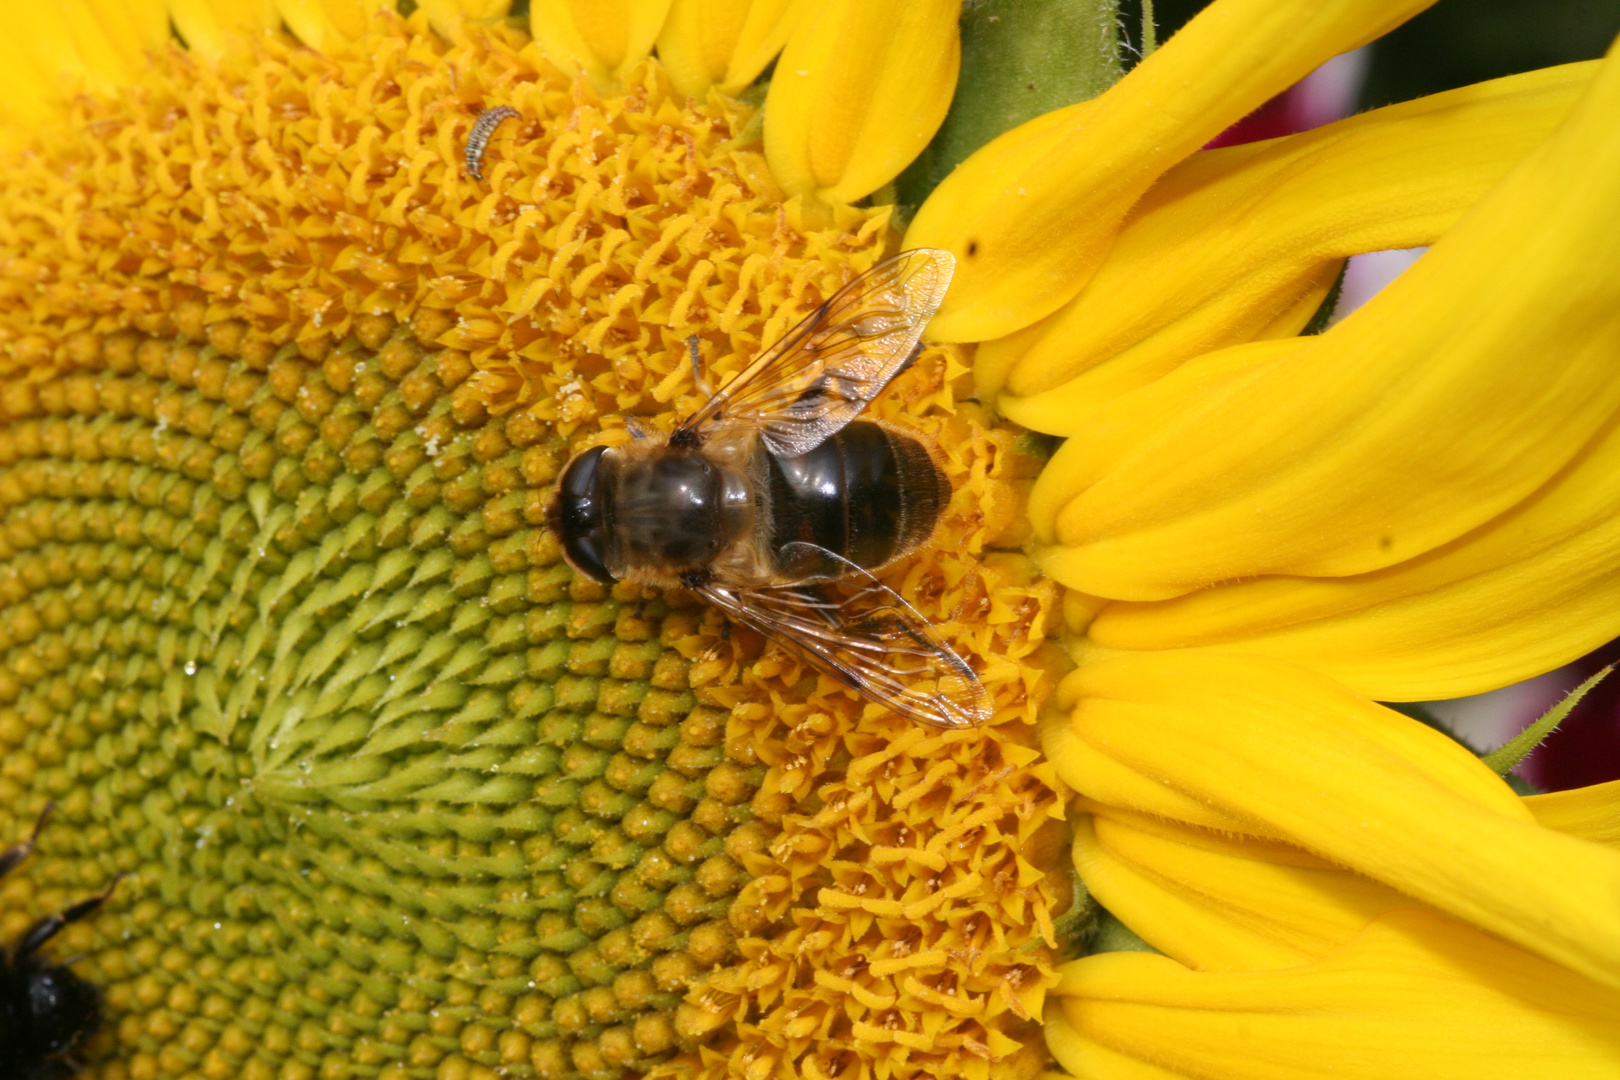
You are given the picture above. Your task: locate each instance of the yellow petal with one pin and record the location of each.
(1080, 464)
(1251, 746)
(207, 25)
(1217, 902)
(39, 64)
(1403, 427)
(1244, 242)
(1523, 594)
(1416, 996)
(327, 25)
(602, 38)
(443, 14)
(50, 51)
(133, 29)
(1591, 813)
(1084, 1058)
(724, 42)
(1030, 216)
(108, 56)
(859, 90)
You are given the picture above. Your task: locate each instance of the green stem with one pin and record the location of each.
(1020, 59)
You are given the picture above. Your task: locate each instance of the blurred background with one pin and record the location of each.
(1452, 44)
(1455, 42)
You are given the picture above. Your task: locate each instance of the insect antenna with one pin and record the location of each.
(16, 853)
(51, 925)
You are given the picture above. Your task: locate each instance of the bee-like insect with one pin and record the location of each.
(775, 504)
(45, 1009)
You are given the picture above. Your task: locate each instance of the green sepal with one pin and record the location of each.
(1112, 935)
(1020, 59)
(1330, 303)
(1505, 758)
(1150, 31)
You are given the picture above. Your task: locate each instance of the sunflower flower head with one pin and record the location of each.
(288, 374)
(284, 396)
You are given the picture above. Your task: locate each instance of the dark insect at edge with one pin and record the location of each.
(483, 130)
(45, 1009)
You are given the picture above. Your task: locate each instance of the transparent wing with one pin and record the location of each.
(868, 638)
(820, 375)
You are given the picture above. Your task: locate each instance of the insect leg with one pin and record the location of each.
(907, 362)
(698, 380)
(478, 138)
(48, 927)
(16, 853)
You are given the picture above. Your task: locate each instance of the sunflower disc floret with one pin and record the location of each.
(283, 397)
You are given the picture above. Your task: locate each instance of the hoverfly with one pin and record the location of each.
(775, 504)
(45, 1009)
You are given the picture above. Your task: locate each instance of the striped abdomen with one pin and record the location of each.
(868, 493)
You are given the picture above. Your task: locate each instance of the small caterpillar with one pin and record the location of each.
(478, 138)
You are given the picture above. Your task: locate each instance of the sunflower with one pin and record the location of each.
(285, 392)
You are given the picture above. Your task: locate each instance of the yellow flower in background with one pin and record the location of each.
(284, 392)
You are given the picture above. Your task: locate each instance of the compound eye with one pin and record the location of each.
(580, 515)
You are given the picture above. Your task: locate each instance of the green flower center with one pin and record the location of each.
(284, 639)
